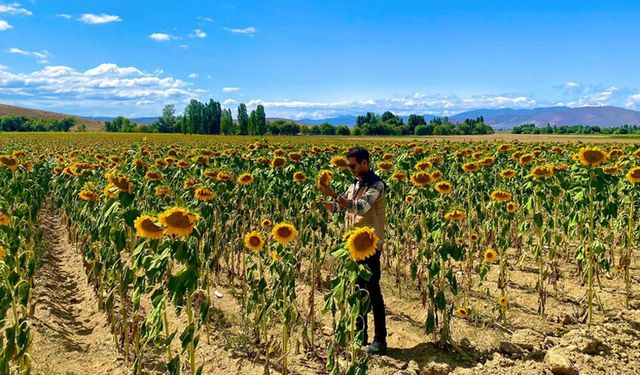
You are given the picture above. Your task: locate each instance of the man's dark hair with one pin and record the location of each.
(359, 153)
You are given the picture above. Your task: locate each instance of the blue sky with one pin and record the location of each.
(318, 59)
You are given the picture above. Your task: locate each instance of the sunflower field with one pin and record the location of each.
(164, 223)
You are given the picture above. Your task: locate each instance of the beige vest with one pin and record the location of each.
(375, 217)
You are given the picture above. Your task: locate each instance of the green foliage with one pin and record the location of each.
(25, 124)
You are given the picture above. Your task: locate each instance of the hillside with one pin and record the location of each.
(10, 110)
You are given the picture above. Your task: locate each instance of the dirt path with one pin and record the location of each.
(70, 334)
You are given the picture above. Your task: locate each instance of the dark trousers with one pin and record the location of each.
(371, 288)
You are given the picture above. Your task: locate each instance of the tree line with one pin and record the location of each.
(25, 124)
(391, 124)
(574, 129)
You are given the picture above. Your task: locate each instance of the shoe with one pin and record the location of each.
(377, 348)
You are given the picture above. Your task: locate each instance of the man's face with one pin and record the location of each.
(358, 168)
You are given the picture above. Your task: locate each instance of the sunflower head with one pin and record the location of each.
(526, 158)
(153, 176)
(362, 243)
(512, 207)
(409, 199)
(4, 219)
(503, 301)
(612, 170)
(444, 187)
(470, 167)
(284, 233)
(162, 191)
(266, 223)
(324, 178)
(278, 162)
(299, 177)
(340, 162)
(473, 237)
(146, 227)
(501, 196)
(122, 183)
(9, 162)
(398, 176)
(89, 196)
(541, 171)
(420, 179)
(592, 156)
(178, 221)
(254, 241)
(634, 175)
(455, 215)
(507, 173)
(490, 256)
(205, 194)
(385, 165)
(245, 179)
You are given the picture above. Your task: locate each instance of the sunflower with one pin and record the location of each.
(146, 227)
(89, 196)
(162, 191)
(507, 173)
(409, 199)
(541, 171)
(399, 176)
(634, 175)
(205, 194)
(266, 223)
(278, 162)
(422, 165)
(153, 176)
(490, 256)
(295, 156)
(284, 233)
(455, 215)
(501, 196)
(178, 221)
(9, 162)
(473, 237)
(421, 179)
(526, 158)
(462, 312)
(612, 170)
(245, 179)
(189, 182)
(436, 175)
(385, 166)
(512, 207)
(470, 167)
(444, 187)
(110, 191)
(339, 162)
(254, 241)
(362, 243)
(503, 301)
(592, 156)
(4, 219)
(324, 178)
(299, 177)
(121, 182)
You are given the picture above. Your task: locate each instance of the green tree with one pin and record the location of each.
(227, 126)
(243, 120)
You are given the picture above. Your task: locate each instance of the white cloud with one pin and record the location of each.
(42, 57)
(14, 8)
(4, 67)
(161, 37)
(206, 19)
(193, 75)
(4, 25)
(183, 46)
(571, 85)
(231, 89)
(106, 88)
(98, 19)
(246, 30)
(65, 16)
(197, 33)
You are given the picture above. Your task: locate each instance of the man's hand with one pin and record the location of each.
(327, 205)
(328, 191)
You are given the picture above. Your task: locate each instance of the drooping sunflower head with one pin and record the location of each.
(324, 178)
(362, 243)
(421, 179)
(299, 177)
(245, 179)
(462, 312)
(284, 233)
(455, 215)
(254, 241)
(592, 156)
(490, 256)
(123, 183)
(9, 162)
(444, 187)
(147, 227)
(4, 218)
(512, 207)
(501, 196)
(470, 167)
(278, 162)
(178, 221)
(633, 175)
(541, 171)
(205, 194)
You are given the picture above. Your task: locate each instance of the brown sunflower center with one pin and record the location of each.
(593, 156)
(178, 220)
(363, 241)
(284, 232)
(254, 241)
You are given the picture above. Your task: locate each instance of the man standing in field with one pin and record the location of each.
(364, 203)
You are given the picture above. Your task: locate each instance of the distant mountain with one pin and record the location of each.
(606, 116)
(10, 110)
